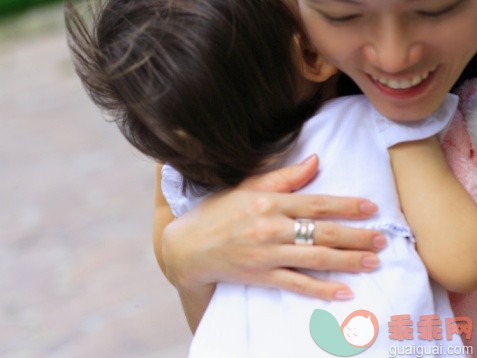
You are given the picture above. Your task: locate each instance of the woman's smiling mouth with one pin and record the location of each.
(404, 88)
(408, 83)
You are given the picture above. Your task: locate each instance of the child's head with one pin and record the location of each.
(211, 86)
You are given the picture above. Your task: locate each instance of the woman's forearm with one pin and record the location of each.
(162, 217)
(194, 297)
(195, 302)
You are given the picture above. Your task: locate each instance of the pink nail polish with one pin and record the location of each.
(308, 159)
(370, 262)
(368, 207)
(380, 242)
(344, 295)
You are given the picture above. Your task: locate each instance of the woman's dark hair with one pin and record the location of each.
(208, 86)
(469, 72)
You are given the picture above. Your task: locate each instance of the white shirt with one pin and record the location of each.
(351, 139)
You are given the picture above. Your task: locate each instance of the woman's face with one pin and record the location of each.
(405, 55)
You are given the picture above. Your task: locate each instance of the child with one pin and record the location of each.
(196, 84)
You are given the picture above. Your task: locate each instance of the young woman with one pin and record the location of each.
(392, 41)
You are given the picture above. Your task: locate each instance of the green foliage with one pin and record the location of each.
(9, 7)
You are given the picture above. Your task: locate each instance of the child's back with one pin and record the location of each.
(243, 321)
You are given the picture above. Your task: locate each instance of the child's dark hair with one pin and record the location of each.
(209, 86)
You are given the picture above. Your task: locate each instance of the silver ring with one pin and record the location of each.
(304, 232)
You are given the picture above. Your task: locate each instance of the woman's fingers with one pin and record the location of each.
(278, 230)
(292, 178)
(306, 258)
(320, 258)
(309, 205)
(284, 180)
(269, 219)
(307, 285)
(331, 234)
(325, 206)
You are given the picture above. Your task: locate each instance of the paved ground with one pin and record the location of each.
(77, 272)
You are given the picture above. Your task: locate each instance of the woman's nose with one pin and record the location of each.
(392, 48)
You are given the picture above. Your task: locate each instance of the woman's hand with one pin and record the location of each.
(246, 235)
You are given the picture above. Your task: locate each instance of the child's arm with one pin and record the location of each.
(440, 212)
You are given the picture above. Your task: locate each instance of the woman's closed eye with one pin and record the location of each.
(448, 9)
(341, 18)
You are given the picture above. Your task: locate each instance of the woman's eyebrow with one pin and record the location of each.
(354, 2)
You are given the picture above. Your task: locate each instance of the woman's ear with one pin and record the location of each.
(312, 66)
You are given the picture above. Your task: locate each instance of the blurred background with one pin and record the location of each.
(78, 277)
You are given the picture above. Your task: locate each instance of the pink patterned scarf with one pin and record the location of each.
(460, 146)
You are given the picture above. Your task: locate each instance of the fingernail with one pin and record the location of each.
(368, 207)
(370, 261)
(308, 159)
(344, 295)
(380, 242)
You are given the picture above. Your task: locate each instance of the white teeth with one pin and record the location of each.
(394, 84)
(416, 80)
(402, 84)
